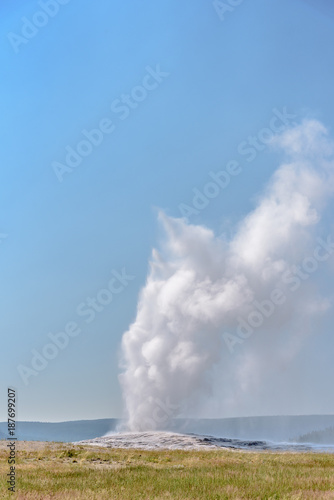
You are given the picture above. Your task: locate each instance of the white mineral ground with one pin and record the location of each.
(160, 440)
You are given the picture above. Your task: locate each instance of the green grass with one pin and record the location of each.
(63, 471)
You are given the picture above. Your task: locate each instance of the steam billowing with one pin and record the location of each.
(243, 306)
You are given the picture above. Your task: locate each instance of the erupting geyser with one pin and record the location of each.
(198, 306)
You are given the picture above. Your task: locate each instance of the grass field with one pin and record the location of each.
(64, 471)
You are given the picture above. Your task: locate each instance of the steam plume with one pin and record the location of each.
(201, 289)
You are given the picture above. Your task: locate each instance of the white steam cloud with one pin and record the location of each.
(205, 297)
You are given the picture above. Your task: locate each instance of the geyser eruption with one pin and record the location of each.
(245, 305)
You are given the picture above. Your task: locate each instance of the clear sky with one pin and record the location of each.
(199, 86)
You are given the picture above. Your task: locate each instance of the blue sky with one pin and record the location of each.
(64, 239)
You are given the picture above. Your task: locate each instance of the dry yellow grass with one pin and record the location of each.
(64, 471)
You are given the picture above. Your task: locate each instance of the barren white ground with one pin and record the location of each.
(159, 440)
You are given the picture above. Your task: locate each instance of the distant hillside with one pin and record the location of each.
(326, 436)
(275, 428)
(60, 431)
(271, 428)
